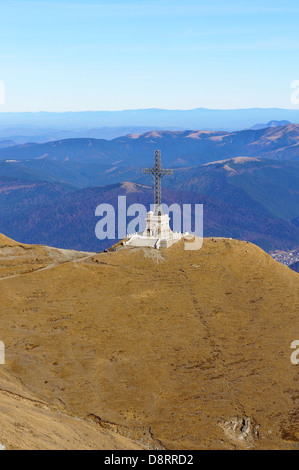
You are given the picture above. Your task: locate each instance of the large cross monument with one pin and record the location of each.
(158, 172)
(157, 233)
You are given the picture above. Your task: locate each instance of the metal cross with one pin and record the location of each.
(158, 172)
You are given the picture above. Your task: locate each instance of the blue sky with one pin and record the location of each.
(113, 55)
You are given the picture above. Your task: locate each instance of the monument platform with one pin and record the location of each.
(157, 233)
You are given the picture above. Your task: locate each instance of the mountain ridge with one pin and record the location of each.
(155, 117)
(179, 148)
(244, 198)
(68, 220)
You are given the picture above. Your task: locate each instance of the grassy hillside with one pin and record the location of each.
(176, 349)
(28, 423)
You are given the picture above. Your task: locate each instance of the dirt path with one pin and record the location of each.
(50, 266)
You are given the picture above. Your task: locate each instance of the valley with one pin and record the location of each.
(52, 202)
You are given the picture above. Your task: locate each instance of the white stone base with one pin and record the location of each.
(139, 239)
(157, 233)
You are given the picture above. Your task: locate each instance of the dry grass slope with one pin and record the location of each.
(172, 349)
(28, 423)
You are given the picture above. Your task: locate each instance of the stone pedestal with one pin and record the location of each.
(157, 233)
(157, 226)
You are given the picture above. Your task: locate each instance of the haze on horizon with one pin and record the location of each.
(73, 56)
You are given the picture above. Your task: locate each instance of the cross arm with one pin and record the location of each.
(166, 172)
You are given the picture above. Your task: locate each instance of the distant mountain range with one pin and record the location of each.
(180, 148)
(7, 143)
(248, 182)
(23, 135)
(69, 221)
(200, 118)
(271, 124)
(248, 199)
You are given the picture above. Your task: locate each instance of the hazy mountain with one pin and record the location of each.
(272, 183)
(180, 148)
(271, 124)
(67, 220)
(296, 221)
(244, 198)
(7, 143)
(17, 195)
(19, 136)
(231, 119)
(245, 182)
(77, 174)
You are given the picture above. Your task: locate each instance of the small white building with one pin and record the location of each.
(157, 233)
(157, 226)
